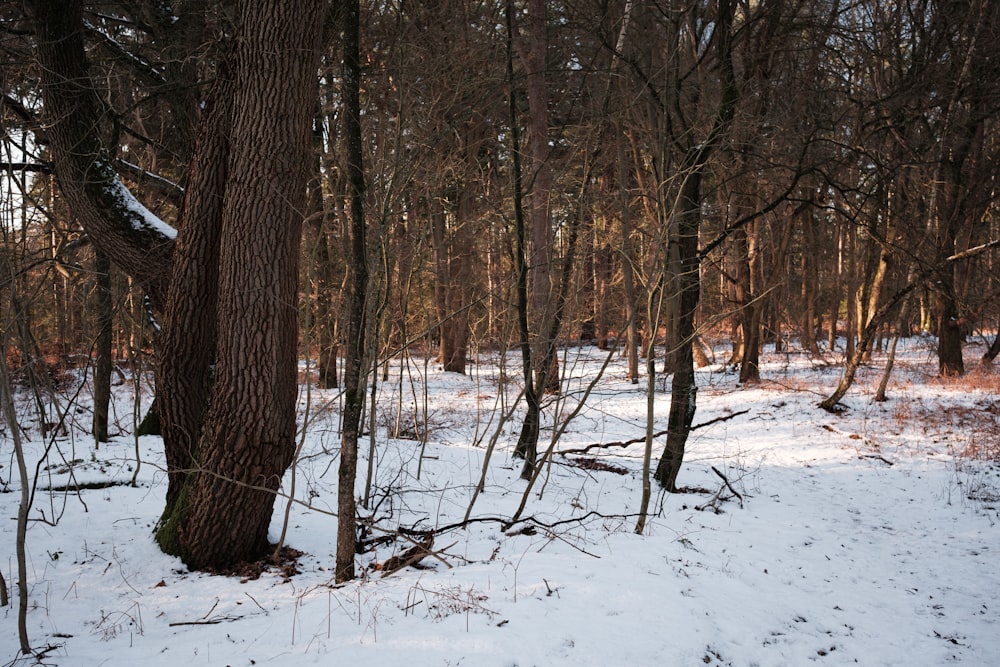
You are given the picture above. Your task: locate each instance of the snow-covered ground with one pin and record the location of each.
(867, 537)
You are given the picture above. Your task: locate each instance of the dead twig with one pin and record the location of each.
(714, 501)
(728, 485)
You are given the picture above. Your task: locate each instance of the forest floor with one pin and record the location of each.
(869, 537)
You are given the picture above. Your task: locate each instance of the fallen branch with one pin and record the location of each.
(210, 621)
(505, 523)
(411, 556)
(728, 485)
(720, 419)
(658, 434)
(875, 456)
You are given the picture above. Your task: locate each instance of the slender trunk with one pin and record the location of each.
(628, 269)
(102, 367)
(442, 283)
(994, 350)
(453, 280)
(880, 394)
(810, 285)
(548, 361)
(527, 442)
(355, 370)
(10, 416)
(750, 307)
(683, 396)
(323, 269)
(867, 335)
(540, 186)
(851, 283)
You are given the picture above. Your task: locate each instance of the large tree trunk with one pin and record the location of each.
(187, 343)
(949, 331)
(222, 515)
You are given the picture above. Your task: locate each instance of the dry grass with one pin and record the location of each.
(979, 377)
(983, 445)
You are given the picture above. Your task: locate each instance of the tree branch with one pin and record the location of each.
(136, 240)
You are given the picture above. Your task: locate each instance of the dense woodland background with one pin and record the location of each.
(459, 176)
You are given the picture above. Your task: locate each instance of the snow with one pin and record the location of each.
(143, 220)
(867, 537)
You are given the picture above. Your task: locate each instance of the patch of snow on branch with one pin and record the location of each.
(143, 219)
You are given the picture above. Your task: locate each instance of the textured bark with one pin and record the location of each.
(188, 337)
(949, 331)
(247, 441)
